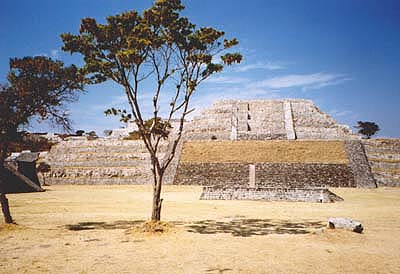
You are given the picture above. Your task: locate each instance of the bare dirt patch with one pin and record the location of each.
(330, 152)
(91, 229)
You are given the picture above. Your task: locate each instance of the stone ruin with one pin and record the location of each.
(288, 119)
(113, 160)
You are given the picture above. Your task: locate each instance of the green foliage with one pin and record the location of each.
(367, 129)
(107, 132)
(128, 40)
(37, 87)
(29, 142)
(134, 135)
(125, 116)
(159, 128)
(92, 135)
(79, 132)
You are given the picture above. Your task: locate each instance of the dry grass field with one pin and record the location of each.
(276, 151)
(88, 229)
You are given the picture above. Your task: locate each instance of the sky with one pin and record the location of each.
(342, 54)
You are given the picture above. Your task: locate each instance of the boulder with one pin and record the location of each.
(345, 223)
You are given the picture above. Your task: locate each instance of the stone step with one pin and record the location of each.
(385, 165)
(104, 149)
(386, 174)
(382, 150)
(384, 157)
(383, 179)
(107, 172)
(100, 164)
(110, 157)
(101, 181)
(382, 142)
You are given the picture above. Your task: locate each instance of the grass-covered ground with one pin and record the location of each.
(275, 151)
(88, 229)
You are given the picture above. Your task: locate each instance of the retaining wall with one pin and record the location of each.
(359, 165)
(284, 175)
(384, 158)
(319, 195)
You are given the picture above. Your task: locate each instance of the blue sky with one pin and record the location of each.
(342, 54)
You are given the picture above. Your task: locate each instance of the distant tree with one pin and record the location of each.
(159, 48)
(107, 132)
(367, 129)
(91, 135)
(37, 87)
(80, 132)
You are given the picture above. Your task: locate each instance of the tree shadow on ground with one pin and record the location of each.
(253, 227)
(103, 225)
(237, 227)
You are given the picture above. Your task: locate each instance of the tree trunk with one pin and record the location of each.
(3, 199)
(157, 201)
(6, 209)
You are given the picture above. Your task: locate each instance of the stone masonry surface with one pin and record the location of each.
(100, 161)
(283, 175)
(359, 164)
(265, 120)
(384, 158)
(319, 195)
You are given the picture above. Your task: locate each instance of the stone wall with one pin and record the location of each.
(312, 123)
(299, 175)
(319, 195)
(265, 120)
(283, 175)
(100, 161)
(208, 174)
(359, 164)
(213, 122)
(384, 158)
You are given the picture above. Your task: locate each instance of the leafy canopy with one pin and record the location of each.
(159, 45)
(37, 86)
(368, 129)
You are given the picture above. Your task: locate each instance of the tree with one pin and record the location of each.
(79, 132)
(159, 48)
(37, 87)
(367, 129)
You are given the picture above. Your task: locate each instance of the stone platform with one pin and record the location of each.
(288, 119)
(316, 195)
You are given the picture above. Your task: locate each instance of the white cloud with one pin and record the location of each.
(305, 81)
(55, 53)
(227, 80)
(259, 65)
(340, 113)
